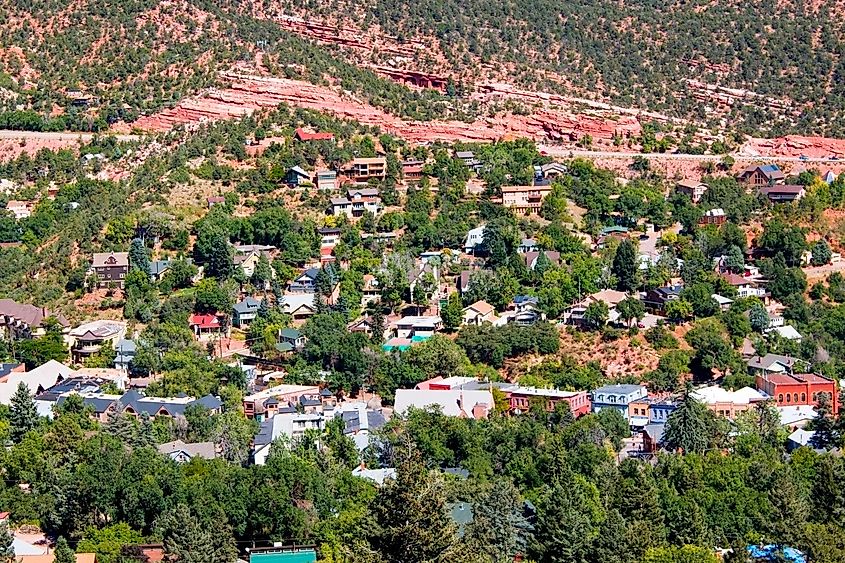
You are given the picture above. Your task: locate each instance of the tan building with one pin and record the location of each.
(362, 169)
(691, 188)
(524, 199)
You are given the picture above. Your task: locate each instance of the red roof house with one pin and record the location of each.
(303, 135)
(205, 323)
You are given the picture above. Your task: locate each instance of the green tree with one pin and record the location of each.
(138, 257)
(452, 312)
(735, 260)
(412, 519)
(596, 315)
(678, 310)
(823, 425)
(213, 250)
(820, 253)
(624, 267)
(263, 273)
(63, 553)
(187, 540)
(7, 549)
(758, 317)
(630, 309)
(689, 427)
(212, 297)
(23, 415)
(499, 527)
(564, 530)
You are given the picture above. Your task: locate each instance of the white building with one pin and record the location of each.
(474, 238)
(455, 402)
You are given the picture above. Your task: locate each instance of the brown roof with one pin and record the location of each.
(481, 307)
(29, 314)
(101, 259)
(735, 280)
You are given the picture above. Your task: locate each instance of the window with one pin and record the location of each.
(780, 398)
(803, 397)
(795, 397)
(787, 398)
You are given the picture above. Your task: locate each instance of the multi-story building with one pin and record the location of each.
(362, 170)
(797, 389)
(110, 268)
(617, 397)
(326, 179)
(520, 399)
(695, 190)
(90, 338)
(726, 403)
(356, 202)
(524, 199)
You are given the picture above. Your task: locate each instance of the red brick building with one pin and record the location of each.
(797, 389)
(521, 399)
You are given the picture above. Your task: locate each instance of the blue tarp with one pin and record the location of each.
(767, 553)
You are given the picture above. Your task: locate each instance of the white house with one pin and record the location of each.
(455, 402)
(475, 237)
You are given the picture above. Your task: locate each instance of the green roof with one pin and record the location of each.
(284, 347)
(291, 333)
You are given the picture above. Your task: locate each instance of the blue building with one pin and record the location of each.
(659, 411)
(617, 397)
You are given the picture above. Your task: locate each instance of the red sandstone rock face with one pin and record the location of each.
(795, 145)
(248, 93)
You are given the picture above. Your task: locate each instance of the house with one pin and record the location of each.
(788, 332)
(524, 310)
(527, 245)
(329, 236)
(205, 324)
(416, 327)
(158, 268)
(617, 397)
(110, 268)
(745, 287)
(765, 175)
(363, 325)
(304, 136)
(359, 422)
(126, 350)
(531, 258)
(729, 403)
(782, 193)
(521, 399)
(265, 404)
(474, 238)
(306, 282)
(467, 156)
(247, 257)
(457, 402)
(88, 339)
(300, 306)
(653, 437)
(723, 302)
(796, 416)
(215, 200)
(788, 388)
(361, 170)
(296, 176)
(133, 403)
(478, 313)
(412, 170)
(656, 299)
(440, 383)
(610, 297)
(244, 312)
(524, 199)
(22, 321)
(828, 177)
(37, 380)
(290, 426)
(182, 452)
(289, 340)
(356, 203)
(370, 291)
(770, 363)
(638, 412)
(695, 190)
(799, 438)
(326, 180)
(20, 209)
(553, 170)
(713, 217)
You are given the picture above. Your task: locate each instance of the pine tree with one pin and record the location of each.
(187, 540)
(563, 528)
(138, 258)
(688, 427)
(499, 528)
(121, 426)
(624, 266)
(7, 549)
(825, 434)
(413, 523)
(23, 416)
(63, 553)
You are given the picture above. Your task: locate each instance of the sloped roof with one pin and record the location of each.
(29, 314)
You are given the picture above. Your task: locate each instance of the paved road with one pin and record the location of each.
(552, 150)
(8, 134)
